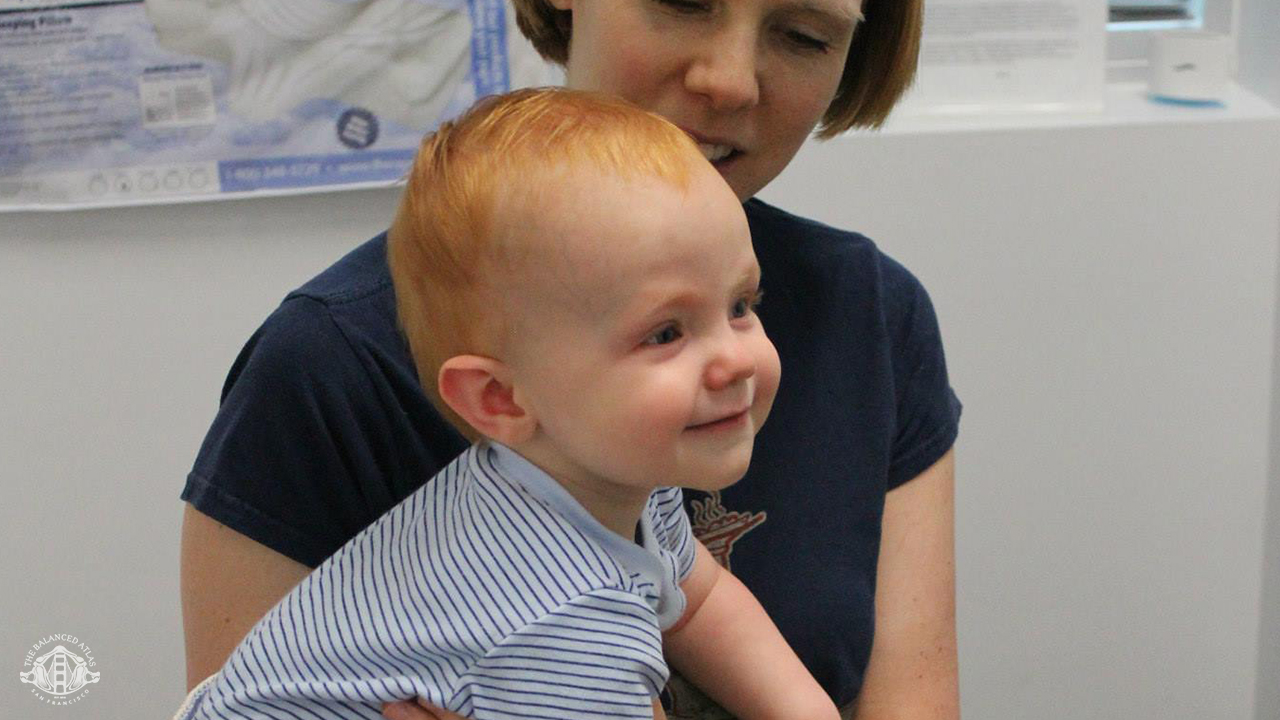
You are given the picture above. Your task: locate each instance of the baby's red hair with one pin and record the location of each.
(497, 158)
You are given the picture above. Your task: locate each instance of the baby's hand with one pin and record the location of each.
(409, 710)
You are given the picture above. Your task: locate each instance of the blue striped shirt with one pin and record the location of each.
(489, 592)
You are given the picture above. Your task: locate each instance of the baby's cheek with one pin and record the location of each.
(768, 376)
(666, 407)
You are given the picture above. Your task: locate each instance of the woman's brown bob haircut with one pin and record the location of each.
(880, 67)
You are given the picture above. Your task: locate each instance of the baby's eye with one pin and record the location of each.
(747, 304)
(667, 335)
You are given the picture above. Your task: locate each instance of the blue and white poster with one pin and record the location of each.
(120, 102)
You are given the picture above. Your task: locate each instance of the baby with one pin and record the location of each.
(577, 285)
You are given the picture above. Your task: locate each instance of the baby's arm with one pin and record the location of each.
(727, 646)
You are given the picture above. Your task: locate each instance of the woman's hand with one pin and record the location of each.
(409, 710)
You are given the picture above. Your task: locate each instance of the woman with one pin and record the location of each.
(844, 523)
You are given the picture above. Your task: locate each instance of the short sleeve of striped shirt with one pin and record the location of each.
(671, 528)
(596, 656)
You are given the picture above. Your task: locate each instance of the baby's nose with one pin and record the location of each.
(733, 363)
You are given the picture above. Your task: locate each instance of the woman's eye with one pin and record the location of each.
(665, 336)
(806, 41)
(684, 6)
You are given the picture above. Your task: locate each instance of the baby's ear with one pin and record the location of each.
(479, 390)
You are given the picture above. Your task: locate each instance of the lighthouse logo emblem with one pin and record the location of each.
(60, 676)
(719, 528)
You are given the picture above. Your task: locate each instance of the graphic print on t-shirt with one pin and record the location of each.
(719, 529)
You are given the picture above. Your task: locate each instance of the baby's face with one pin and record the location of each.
(638, 348)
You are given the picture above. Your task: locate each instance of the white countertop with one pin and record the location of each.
(1125, 104)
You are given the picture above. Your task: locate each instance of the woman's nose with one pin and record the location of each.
(732, 363)
(725, 72)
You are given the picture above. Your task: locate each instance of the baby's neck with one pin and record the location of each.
(615, 506)
(614, 511)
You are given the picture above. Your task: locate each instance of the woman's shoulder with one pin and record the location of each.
(828, 260)
(834, 299)
(774, 221)
(359, 274)
(328, 320)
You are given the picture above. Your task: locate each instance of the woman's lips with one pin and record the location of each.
(717, 151)
(724, 162)
(714, 153)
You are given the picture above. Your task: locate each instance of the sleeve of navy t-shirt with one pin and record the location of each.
(928, 410)
(288, 436)
(322, 425)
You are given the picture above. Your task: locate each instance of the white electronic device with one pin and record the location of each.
(1190, 66)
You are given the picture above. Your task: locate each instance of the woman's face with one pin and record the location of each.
(748, 79)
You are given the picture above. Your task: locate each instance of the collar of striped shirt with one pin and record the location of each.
(647, 562)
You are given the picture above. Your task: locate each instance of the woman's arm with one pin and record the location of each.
(914, 671)
(228, 583)
(729, 648)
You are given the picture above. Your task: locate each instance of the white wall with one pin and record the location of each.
(117, 328)
(1107, 298)
(1268, 694)
(1259, 46)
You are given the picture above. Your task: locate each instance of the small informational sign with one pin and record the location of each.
(1010, 56)
(120, 102)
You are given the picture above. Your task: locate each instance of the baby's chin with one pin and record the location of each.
(729, 478)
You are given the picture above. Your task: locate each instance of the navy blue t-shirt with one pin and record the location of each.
(323, 427)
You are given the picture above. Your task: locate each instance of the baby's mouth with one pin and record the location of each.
(728, 421)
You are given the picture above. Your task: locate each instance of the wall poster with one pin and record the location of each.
(119, 102)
